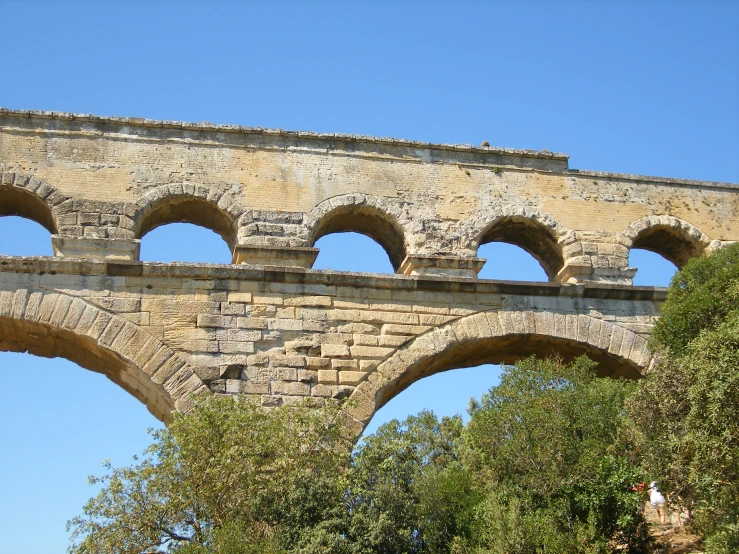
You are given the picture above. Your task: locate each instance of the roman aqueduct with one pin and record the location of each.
(268, 325)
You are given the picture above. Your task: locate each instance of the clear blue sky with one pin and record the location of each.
(635, 87)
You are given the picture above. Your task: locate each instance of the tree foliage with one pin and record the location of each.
(701, 295)
(686, 412)
(408, 491)
(225, 474)
(545, 444)
(538, 469)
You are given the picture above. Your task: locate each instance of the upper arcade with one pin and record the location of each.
(100, 184)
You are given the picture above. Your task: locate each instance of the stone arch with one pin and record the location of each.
(498, 337)
(364, 214)
(216, 210)
(30, 197)
(537, 233)
(53, 324)
(675, 239)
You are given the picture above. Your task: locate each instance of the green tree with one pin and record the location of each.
(227, 477)
(543, 444)
(408, 492)
(686, 412)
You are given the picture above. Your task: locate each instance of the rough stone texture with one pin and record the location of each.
(272, 194)
(270, 327)
(167, 332)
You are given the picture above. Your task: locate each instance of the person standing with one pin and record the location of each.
(657, 499)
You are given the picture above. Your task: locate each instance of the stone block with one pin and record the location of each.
(235, 347)
(285, 324)
(340, 364)
(366, 340)
(351, 377)
(290, 388)
(206, 320)
(313, 362)
(287, 373)
(287, 361)
(241, 297)
(392, 329)
(359, 328)
(307, 376)
(328, 376)
(228, 308)
(335, 351)
(371, 351)
(302, 301)
(95, 247)
(251, 323)
(390, 317)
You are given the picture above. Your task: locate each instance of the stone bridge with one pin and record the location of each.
(268, 325)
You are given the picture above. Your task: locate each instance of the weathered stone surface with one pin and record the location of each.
(270, 327)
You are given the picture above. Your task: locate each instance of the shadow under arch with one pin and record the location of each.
(18, 201)
(52, 324)
(530, 234)
(349, 214)
(200, 206)
(675, 239)
(498, 337)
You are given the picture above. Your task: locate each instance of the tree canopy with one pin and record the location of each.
(686, 412)
(537, 469)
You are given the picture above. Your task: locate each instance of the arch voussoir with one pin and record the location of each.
(52, 323)
(500, 336)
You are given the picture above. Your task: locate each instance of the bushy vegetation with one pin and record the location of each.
(686, 412)
(537, 469)
(545, 465)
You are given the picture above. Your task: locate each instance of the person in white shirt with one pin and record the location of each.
(657, 499)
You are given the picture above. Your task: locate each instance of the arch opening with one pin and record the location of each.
(675, 244)
(506, 349)
(62, 421)
(365, 220)
(184, 242)
(653, 270)
(508, 262)
(19, 202)
(445, 393)
(351, 252)
(193, 210)
(531, 236)
(51, 342)
(20, 236)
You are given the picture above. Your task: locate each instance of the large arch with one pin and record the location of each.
(188, 203)
(363, 214)
(498, 337)
(29, 197)
(536, 233)
(53, 324)
(675, 239)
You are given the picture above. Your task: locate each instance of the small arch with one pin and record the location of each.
(519, 265)
(359, 214)
(35, 238)
(201, 206)
(653, 270)
(538, 235)
(499, 337)
(19, 196)
(675, 239)
(52, 324)
(351, 252)
(184, 242)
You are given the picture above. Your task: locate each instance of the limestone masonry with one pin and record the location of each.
(270, 326)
